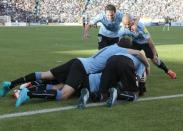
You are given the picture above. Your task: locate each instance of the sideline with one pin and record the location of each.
(28, 113)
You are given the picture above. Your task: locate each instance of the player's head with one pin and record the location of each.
(127, 21)
(125, 41)
(110, 11)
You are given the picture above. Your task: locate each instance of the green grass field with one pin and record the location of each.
(28, 49)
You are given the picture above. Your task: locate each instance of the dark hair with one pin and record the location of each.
(111, 8)
(125, 42)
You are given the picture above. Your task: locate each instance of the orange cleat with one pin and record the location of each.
(171, 74)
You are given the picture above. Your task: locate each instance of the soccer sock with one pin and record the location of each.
(59, 95)
(142, 88)
(49, 87)
(36, 86)
(162, 66)
(47, 94)
(28, 78)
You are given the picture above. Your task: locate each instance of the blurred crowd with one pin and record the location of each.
(69, 11)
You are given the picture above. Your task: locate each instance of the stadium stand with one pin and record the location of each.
(69, 11)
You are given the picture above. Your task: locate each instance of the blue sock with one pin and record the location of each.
(49, 86)
(38, 76)
(59, 95)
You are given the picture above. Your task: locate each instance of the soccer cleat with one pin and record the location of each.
(127, 96)
(23, 97)
(83, 98)
(4, 88)
(171, 74)
(112, 98)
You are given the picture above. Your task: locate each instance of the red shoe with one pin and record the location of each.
(171, 74)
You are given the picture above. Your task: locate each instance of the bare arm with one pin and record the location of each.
(86, 31)
(142, 58)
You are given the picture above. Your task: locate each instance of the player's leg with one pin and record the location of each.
(28, 93)
(102, 41)
(126, 73)
(109, 77)
(36, 76)
(142, 84)
(74, 79)
(90, 89)
(159, 63)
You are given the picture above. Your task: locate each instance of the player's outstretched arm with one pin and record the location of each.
(142, 58)
(86, 31)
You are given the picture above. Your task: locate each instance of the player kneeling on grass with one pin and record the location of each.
(73, 73)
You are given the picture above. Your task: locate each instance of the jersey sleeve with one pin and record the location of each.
(124, 31)
(144, 32)
(96, 19)
(120, 14)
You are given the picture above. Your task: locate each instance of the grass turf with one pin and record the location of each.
(28, 49)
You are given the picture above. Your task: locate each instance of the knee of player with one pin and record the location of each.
(67, 92)
(46, 75)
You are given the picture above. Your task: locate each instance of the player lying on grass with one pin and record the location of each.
(48, 90)
(143, 41)
(74, 72)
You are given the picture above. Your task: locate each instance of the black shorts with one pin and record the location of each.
(71, 73)
(118, 68)
(104, 41)
(145, 47)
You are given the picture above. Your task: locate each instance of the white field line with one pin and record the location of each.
(28, 113)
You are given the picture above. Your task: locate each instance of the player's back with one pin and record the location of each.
(97, 62)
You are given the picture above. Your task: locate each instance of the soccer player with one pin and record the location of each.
(167, 23)
(110, 24)
(143, 41)
(74, 72)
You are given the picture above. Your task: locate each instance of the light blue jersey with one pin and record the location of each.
(108, 28)
(94, 82)
(142, 36)
(139, 66)
(97, 62)
(125, 32)
(94, 79)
